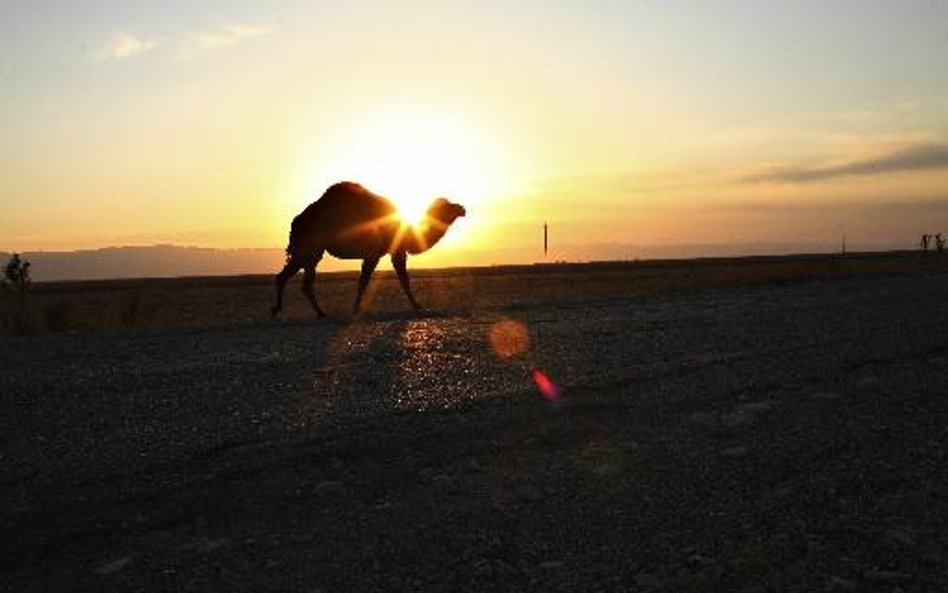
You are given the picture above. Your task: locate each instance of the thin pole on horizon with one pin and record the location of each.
(545, 239)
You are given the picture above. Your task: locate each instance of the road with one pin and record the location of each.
(782, 437)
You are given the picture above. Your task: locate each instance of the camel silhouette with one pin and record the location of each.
(350, 222)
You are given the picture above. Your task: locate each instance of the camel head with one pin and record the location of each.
(445, 211)
(440, 215)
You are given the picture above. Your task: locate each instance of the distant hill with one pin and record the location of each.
(152, 262)
(163, 261)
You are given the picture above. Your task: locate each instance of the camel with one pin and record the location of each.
(350, 222)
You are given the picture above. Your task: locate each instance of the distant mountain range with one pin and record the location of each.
(161, 261)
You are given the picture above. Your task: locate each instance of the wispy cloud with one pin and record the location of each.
(914, 158)
(923, 206)
(124, 46)
(230, 36)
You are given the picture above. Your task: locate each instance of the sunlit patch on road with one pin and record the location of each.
(367, 367)
(437, 368)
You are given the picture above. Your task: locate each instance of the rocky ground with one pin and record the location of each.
(773, 438)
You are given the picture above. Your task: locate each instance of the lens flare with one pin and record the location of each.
(509, 338)
(547, 387)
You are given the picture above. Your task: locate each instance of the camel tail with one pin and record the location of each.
(301, 230)
(293, 241)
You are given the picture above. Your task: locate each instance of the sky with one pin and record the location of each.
(617, 122)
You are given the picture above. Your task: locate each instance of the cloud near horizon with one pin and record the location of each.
(231, 35)
(914, 158)
(124, 46)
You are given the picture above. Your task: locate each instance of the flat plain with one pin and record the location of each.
(764, 424)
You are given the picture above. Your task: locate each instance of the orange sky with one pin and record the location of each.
(618, 122)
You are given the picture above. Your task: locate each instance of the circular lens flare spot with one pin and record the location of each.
(509, 338)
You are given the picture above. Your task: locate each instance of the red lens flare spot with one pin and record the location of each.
(509, 338)
(547, 387)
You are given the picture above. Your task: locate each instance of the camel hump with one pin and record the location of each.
(349, 200)
(344, 206)
(343, 201)
(348, 187)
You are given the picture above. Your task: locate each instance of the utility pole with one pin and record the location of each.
(842, 237)
(545, 239)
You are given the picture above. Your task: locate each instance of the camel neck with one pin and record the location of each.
(423, 237)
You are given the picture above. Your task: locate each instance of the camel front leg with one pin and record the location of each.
(368, 266)
(399, 262)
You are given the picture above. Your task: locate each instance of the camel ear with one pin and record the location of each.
(438, 204)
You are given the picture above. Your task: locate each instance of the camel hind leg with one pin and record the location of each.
(309, 278)
(282, 277)
(292, 266)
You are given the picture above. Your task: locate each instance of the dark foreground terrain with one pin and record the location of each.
(778, 437)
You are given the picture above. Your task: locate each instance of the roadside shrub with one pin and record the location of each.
(17, 274)
(16, 279)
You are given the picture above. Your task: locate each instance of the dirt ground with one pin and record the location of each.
(781, 436)
(117, 305)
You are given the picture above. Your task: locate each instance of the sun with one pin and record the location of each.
(414, 157)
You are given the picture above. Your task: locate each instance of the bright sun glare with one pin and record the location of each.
(414, 158)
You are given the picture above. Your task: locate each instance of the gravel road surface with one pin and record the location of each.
(773, 438)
